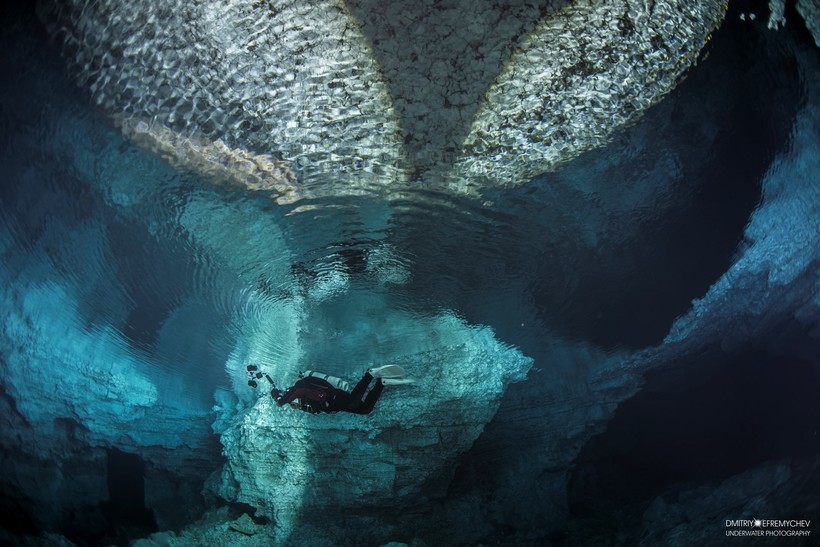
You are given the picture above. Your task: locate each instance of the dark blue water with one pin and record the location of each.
(613, 270)
(723, 416)
(716, 414)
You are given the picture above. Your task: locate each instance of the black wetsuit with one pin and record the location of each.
(317, 395)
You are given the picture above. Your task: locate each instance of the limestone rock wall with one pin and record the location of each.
(293, 79)
(771, 287)
(583, 72)
(296, 468)
(71, 395)
(463, 96)
(810, 10)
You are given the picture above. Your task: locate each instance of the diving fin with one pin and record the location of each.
(388, 371)
(397, 381)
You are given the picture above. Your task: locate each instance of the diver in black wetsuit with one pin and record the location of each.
(317, 395)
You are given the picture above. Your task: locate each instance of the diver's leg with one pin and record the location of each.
(358, 391)
(370, 401)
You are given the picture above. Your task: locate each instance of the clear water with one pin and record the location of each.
(178, 275)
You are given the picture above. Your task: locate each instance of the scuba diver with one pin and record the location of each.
(322, 393)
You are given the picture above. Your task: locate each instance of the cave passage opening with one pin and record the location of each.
(699, 422)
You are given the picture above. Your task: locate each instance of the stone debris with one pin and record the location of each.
(158, 539)
(163, 539)
(214, 528)
(244, 525)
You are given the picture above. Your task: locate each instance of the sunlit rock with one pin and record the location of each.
(214, 160)
(777, 14)
(292, 466)
(458, 99)
(295, 80)
(590, 68)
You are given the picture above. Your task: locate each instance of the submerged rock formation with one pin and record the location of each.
(766, 301)
(294, 467)
(810, 10)
(214, 160)
(582, 73)
(70, 395)
(86, 348)
(294, 80)
(300, 81)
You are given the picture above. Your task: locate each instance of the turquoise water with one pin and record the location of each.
(122, 264)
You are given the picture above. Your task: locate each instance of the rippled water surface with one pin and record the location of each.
(609, 250)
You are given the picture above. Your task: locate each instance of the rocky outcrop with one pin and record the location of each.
(586, 70)
(810, 10)
(771, 287)
(73, 395)
(301, 82)
(294, 467)
(292, 79)
(364, 473)
(777, 14)
(734, 509)
(214, 160)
